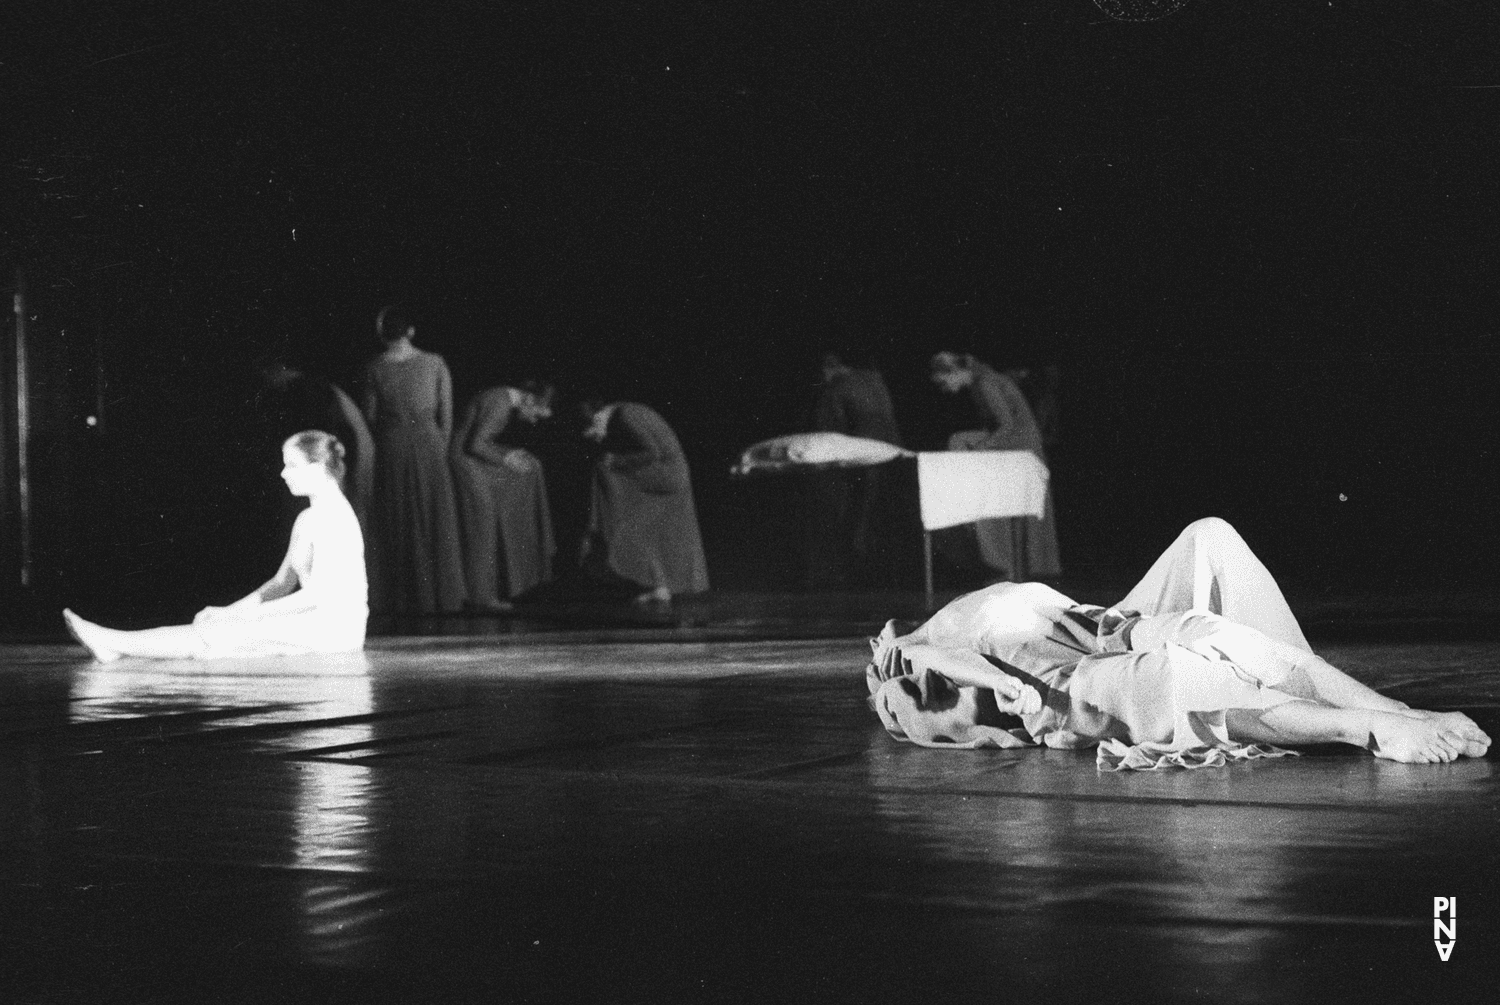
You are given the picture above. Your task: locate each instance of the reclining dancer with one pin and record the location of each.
(1202, 661)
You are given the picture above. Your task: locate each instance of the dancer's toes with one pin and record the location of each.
(1460, 731)
(86, 633)
(660, 595)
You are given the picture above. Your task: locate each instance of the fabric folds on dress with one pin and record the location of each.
(501, 491)
(1148, 685)
(417, 564)
(643, 516)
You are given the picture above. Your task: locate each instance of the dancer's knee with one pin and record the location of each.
(1214, 528)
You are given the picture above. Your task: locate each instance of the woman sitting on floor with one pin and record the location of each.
(316, 602)
(1202, 661)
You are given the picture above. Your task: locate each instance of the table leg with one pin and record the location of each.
(927, 564)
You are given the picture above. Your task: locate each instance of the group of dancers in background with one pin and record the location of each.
(457, 516)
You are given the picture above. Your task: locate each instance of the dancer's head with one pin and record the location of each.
(394, 323)
(536, 401)
(311, 460)
(833, 366)
(952, 372)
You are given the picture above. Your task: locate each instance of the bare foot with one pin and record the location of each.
(660, 595)
(87, 634)
(1459, 729)
(1413, 739)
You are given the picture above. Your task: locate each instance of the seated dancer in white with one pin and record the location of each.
(1202, 661)
(316, 602)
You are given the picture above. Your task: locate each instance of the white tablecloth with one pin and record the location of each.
(961, 486)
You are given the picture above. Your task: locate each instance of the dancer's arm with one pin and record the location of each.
(481, 439)
(483, 444)
(966, 669)
(997, 408)
(445, 401)
(644, 449)
(370, 397)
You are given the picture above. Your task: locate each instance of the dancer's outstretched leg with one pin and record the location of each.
(107, 644)
(1411, 736)
(90, 636)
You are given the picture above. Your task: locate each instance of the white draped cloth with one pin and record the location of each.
(956, 487)
(960, 487)
(1147, 681)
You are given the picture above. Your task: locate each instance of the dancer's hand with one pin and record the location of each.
(520, 461)
(891, 664)
(964, 668)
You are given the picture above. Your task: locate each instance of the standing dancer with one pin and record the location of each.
(842, 504)
(1019, 547)
(415, 548)
(316, 602)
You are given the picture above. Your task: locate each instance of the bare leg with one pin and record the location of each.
(1398, 736)
(1288, 668)
(1316, 679)
(1210, 567)
(106, 644)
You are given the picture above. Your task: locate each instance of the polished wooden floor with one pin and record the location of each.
(578, 817)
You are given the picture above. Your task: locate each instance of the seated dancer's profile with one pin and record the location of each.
(316, 603)
(1203, 661)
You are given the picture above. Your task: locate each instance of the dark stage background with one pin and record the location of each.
(1259, 243)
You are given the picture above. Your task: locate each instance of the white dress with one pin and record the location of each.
(327, 552)
(1148, 680)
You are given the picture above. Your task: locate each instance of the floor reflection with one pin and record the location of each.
(546, 821)
(1188, 874)
(327, 705)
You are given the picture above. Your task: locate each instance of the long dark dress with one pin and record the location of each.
(642, 516)
(842, 505)
(502, 505)
(1023, 547)
(417, 563)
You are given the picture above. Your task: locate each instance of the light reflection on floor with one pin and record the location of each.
(547, 819)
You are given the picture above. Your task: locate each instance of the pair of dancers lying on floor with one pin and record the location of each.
(1202, 661)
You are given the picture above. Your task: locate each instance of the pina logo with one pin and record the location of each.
(1444, 929)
